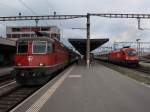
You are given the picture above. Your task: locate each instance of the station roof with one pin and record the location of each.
(7, 42)
(80, 44)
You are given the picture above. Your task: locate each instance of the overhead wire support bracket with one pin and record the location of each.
(139, 24)
(115, 15)
(137, 16)
(36, 21)
(46, 17)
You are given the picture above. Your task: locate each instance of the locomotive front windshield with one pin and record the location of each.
(39, 47)
(22, 47)
(132, 53)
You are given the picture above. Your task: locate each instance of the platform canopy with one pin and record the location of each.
(7, 42)
(80, 44)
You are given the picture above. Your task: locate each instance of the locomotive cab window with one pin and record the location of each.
(22, 47)
(49, 47)
(132, 53)
(39, 47)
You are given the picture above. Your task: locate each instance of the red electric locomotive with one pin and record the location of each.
(126, 55)
(37, 58)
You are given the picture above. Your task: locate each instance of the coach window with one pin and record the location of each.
(45, 29)
(49, 47)
(22, 47)
(39, 47)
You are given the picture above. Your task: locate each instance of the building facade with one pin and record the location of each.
(15, 32)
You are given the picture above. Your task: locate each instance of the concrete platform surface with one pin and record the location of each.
(97, 89)
(5, 71)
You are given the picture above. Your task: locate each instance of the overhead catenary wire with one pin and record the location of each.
(50, 5)
(26, 6)
(51, 10)
(6, 6)
(30, 9)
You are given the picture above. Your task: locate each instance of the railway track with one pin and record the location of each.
(144, 70)
(5, 82)
(141, 69)
(11, 94)
(14, 96)
(7, 87)
(5, 77)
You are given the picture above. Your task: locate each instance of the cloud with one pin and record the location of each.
(124, 36)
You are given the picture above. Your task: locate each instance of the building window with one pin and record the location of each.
(8, 35)
(53, 35)
(45, 29)
(25, 35)
(16, 29)
(35, 29)
(25, 29)
(58, 36)
(15, 35)
(33, 35)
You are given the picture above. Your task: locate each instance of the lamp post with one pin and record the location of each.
(88, 41)
(138, 46)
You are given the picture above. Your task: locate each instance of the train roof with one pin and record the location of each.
(35, 38)
(6, 42)
(124, 49)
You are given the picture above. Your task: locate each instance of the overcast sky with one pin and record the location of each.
(114, 29)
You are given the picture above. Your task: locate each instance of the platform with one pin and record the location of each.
(5, 70)
(97, 89)
(144, 64)
(7, 51)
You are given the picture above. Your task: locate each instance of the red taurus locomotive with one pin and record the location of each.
(124, 55)
(37, 58)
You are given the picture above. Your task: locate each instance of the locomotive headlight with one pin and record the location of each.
(18, 64)
(41, 64)
(22, 74)
(34, 75)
